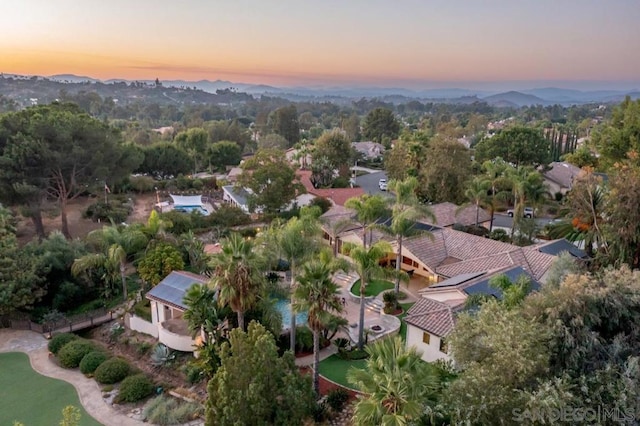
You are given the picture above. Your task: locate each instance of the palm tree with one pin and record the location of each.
(238, 275)
(477, 194)
(495, 178)
(318, 295)
(398, 385)
(115, 244)
(200, 302)
(366, 263)
(527, 186)
(297, 241)
(369, 209)
(405, 211)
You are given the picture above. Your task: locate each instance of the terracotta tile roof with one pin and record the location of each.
(447, 214)
(337, 195)
(435, 317)
(452, 253)
(562, 173)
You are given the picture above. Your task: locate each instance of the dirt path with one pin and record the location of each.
(35, 346)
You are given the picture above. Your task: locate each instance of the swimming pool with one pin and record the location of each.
(284, 307)
(189, 209)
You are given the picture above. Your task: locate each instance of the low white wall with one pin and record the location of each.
(176, 341)
(141, 325)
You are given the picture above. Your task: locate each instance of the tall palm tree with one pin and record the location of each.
(238, 275)
(115, 244)
(527, 186)
(369, 209)
(317, 294)
(398, 385)
(477, 194)
(297, 241)
(366, 263)
(406, 210)
(495, 178)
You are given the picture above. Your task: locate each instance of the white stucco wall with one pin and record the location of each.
(430, 352)
(142, 326)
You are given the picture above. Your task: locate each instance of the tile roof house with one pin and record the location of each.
(448, 214)
(338, 196)
(560, 177)
(167, 309)
(369, 150)
(433, 316)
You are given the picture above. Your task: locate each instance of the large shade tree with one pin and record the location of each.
(516, 145)
(381, 126)
(72, 152)
(271, 179)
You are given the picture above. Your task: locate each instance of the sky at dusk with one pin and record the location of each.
(393, 43)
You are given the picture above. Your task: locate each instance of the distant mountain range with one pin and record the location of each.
(537, 96)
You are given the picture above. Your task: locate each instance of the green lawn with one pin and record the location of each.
(403, 325)
(335, 369)
(32, 399)
(374, 288)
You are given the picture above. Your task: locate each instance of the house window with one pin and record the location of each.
(415, 264)
(426, 338)
(444, 348)
(407, 261)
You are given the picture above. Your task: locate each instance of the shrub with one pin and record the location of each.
(112, 371)
(341, 343)
(304, 339)
(91, 361)
(143, 309)
(353, 354)
(499, 235)
(59, 340)
(165, 410)
(134, 388)
(72, 353)
(161, 355)
(321, 202)
(390, 301)
(319, 412)
(337, 398)
(194, 372)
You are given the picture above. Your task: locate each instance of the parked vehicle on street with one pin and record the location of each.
(528, 212)
(382, 184)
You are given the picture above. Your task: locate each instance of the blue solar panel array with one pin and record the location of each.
(557, 247)
(173, 288)
(483, 287)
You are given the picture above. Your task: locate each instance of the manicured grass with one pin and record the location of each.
(335, 369)
(32, 399)
(374, 288)
(403, 325)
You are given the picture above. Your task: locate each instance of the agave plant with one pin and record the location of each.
(161, 355)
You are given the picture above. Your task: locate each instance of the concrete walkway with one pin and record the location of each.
(35, 346)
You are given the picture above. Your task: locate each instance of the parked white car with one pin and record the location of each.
(528, 212)
(382, 184)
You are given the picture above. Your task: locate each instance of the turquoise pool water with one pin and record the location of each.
(285, 309)
(189, 209)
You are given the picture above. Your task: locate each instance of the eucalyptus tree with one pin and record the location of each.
(114, 244)
(366, 263)
(238, 275)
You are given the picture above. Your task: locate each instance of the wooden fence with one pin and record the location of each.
(65, 324)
